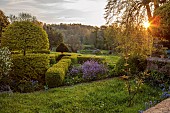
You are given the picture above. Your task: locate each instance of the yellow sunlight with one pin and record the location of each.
(146, 24)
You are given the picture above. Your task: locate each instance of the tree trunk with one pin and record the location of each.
(156, 4)
(148, 12)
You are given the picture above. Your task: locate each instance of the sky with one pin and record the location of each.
(87, 12)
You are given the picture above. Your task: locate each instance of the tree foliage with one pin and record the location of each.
(55, 37)
(25, 36)
(110, 34)
(127, 11)
(124, 41)
(3, 22)
(161, 22)
(82, 34)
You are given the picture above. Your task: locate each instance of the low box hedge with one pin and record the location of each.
(55, 75)
(72, 57)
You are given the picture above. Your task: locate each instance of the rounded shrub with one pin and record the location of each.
(54, 76)
(25, 36)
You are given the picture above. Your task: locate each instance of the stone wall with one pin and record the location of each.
(159, 64)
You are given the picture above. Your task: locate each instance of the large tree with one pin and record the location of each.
(161, 23)
(3, 22)
(127, 11)
(25, 36)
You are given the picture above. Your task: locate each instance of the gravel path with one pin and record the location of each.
(162, 107)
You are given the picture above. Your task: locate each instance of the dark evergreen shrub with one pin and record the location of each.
(62, 48)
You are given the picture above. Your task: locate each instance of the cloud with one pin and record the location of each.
(56, 11)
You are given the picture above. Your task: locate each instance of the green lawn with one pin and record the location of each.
(106, 96)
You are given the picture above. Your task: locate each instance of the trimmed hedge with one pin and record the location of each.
(15, 52)
(28, 68)
(41, 51)
(52, 58)
(55, 75)
(82, 59)
(68, 61)
(72, 57)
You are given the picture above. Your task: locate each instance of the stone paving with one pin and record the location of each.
(162, 107)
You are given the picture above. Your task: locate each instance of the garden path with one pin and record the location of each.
(162, 107)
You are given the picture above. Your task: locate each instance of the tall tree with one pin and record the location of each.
(128, 11)
(161, 23)
(3, 22)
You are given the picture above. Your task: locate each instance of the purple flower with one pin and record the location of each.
(75, 70)
(92, 69)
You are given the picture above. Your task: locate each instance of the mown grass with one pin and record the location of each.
(106, 96)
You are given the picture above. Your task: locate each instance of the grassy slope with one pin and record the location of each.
(107, 96)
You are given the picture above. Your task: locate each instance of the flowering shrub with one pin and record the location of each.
(76, 71)
(89, 70)
(5, 63)
(92, 70)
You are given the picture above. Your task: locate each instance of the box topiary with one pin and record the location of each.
(62, 48)
(54, 76)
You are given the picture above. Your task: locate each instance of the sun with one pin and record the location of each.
(146, 24)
